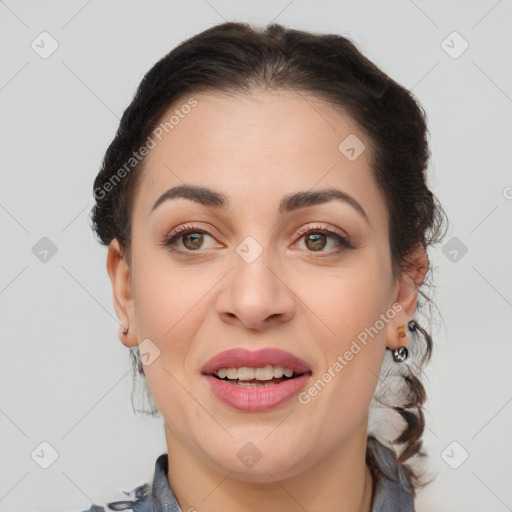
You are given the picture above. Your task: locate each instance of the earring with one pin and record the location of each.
(125, 330)
(400, 353)
(412, 325)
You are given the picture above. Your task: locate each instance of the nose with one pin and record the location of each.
(256, 295)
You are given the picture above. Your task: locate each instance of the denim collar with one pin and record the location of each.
(392, 492)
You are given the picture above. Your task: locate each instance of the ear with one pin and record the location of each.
(406, 296)
(120, 278)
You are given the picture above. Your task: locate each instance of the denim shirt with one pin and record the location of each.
(392, 492)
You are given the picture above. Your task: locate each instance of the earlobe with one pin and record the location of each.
(409, 282)
(120, 278)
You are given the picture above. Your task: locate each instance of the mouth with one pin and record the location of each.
(253, 381)
(249, 377)
(268, 365)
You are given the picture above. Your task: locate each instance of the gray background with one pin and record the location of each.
(65, 377)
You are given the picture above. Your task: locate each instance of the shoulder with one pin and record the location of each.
(146, 497)
(136, 500)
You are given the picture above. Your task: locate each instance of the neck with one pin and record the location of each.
(340, 481)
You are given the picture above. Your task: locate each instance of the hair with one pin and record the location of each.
(236, 58)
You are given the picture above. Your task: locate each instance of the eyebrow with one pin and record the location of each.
(291, 202)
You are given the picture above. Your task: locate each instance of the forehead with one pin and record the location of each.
(258, 147)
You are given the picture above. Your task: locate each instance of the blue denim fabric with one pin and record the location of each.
(392, 491)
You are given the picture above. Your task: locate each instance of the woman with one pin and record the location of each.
(267, 217)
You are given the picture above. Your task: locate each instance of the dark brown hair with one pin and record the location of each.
(236, 58)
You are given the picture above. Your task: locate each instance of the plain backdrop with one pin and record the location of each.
(66, 378)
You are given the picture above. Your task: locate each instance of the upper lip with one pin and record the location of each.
(241, 357)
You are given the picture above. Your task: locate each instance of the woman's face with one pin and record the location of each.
(248, 275)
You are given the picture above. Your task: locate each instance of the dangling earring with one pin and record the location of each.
(400, 353)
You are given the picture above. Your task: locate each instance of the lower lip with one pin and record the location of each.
(256, 399)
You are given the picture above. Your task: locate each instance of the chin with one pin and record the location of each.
(264, 473)
(263, 466)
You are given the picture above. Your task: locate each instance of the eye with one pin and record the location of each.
(191, 238)
(316, 238)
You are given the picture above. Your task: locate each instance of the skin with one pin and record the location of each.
(192, 305)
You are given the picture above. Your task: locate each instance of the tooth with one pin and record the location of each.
(266, 373)
(232, 373)
(278, 372)
(288, 372)
(222, 372)
(245, 373)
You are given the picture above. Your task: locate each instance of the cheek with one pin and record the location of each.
(167, 297)
(349, 301)
(172, 303)
(169, 311)
(355, 310)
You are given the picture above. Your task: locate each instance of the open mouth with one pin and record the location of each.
(255, 380)
(258, 386)
(256, 377)
(254, 383)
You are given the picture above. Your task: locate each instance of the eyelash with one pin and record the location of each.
(344, 242)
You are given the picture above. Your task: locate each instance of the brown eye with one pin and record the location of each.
(189, 239)
(315, 241)
(193, 241)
